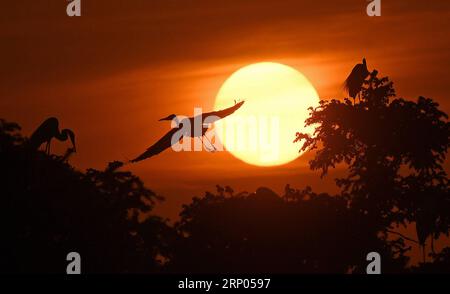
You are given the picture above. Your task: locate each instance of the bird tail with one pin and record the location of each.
(145, 155)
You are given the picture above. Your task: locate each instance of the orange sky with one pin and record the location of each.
(113, 72)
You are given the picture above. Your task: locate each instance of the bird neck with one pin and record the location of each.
(62, 136)
(178, 122)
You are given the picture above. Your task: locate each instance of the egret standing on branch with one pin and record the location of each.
(355, 80)
(48, 130)
(206, 118)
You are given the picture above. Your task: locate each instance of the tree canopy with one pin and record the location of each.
(394, 152)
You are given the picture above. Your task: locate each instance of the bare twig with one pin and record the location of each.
(403, 236)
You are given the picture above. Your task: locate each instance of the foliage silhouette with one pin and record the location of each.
(440, 264)
(300, 232)
(394, 150)
(55, 209)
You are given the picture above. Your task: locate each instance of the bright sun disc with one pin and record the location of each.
(277, 98)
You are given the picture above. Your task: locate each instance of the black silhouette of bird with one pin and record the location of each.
(48, 130)
(355, 80)
(206, 118)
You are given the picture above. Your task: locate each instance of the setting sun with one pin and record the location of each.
(168, 140)
(277, 98)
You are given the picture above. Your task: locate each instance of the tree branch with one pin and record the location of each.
(403, 236)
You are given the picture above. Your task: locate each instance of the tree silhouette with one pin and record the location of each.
(394, 150)
(9, 135)
(50, 209)
(440, 264)
(261, 232)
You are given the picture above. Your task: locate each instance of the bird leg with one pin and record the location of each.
(47, 148)
(213, 147)
(207, 149)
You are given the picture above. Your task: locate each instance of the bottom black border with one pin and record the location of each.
(277, 282)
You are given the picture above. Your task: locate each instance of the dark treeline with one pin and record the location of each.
(394, 150)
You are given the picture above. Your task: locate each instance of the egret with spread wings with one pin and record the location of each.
(206, 119)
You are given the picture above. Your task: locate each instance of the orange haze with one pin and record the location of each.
(113, 72)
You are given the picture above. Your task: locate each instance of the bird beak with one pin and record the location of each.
(169, 117)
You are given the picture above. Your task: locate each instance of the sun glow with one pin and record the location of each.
(277, 98)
